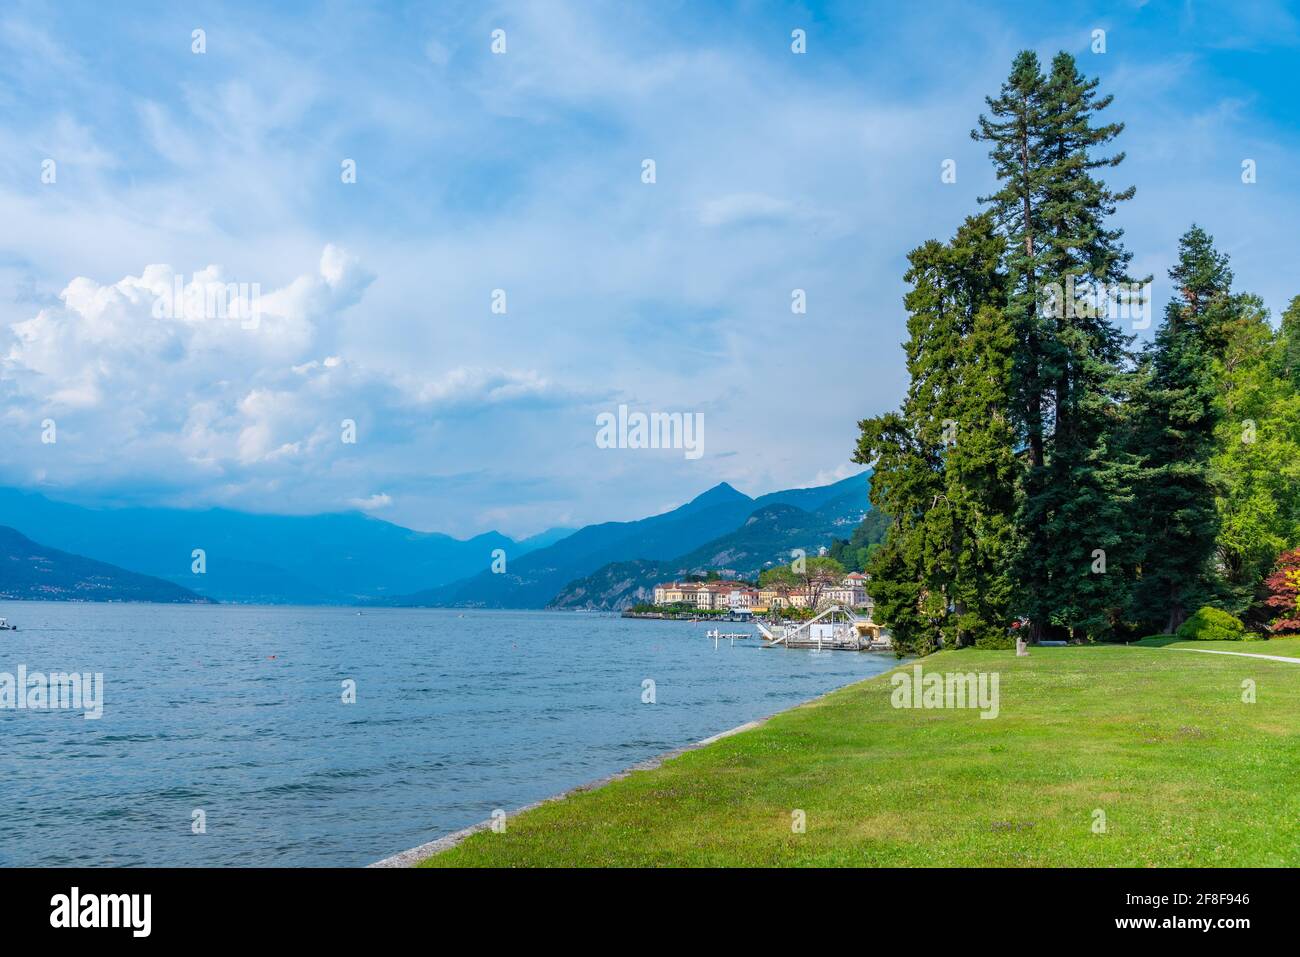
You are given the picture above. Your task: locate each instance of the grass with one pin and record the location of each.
(1286, 647)
(1185, 772)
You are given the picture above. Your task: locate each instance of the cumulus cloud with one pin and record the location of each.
(143, 378)
(159, 337)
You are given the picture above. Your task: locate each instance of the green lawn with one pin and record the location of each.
(1186, 773)
(1287, 647)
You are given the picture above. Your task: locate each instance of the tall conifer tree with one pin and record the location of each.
(1069, 356)
(1176, 413)
(944, 464)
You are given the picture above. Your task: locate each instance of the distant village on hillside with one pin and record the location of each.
(739, 598)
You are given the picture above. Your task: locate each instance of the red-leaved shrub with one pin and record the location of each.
(1284, 594)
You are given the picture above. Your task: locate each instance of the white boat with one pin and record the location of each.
(5, 626)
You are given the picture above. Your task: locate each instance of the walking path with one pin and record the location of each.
(1239, 654)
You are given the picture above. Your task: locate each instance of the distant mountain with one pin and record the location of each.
(274, 559)
(536, 579)
(30, 571)
(614, 586)
(767, 537)
(348, 558)
(542, 539)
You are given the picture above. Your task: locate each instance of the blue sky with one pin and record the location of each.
(522, 171)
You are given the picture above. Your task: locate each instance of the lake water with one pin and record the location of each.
(237, 711)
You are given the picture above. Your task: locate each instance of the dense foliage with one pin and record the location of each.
(798, 573)
(944, 465)
(1257, 450)
(855, 551)
(1174, 415)
(1040, 470)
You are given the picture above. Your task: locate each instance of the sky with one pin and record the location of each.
(516, 179)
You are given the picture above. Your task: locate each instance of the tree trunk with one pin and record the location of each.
(1177, 613)
(1034, 413)
(1035, 632)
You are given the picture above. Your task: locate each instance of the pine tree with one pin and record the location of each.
(903, 482)
(980, 471)
(1068, 360)
(1016, 133)
(1175, 417)
(944, 464)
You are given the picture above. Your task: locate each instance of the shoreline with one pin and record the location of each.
(683, 616)
(1160, 722)
(413, 856)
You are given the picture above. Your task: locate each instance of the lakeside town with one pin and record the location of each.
(743, 599)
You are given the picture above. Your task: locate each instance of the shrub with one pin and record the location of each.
(995, 642)
(1212, 624)
(1284, 594)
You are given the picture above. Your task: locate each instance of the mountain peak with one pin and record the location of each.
(720, 494)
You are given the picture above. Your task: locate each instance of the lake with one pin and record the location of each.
(238, 712)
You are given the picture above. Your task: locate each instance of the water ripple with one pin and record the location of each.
(456, 714)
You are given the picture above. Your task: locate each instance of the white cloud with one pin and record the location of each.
(837, 474)
(373, 503)
(141, 387)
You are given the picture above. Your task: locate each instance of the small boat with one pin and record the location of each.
(5, 626)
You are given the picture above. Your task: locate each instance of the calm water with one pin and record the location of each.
(237, 711)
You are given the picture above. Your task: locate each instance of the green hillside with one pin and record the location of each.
(31, 571)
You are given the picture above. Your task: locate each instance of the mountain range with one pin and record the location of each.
(341, 558)
(722, 528)
(352, 558)
(767, 537)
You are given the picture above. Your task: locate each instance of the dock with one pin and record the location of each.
(835, 629)
(733, 637)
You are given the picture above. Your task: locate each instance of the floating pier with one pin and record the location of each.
(733, 637)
